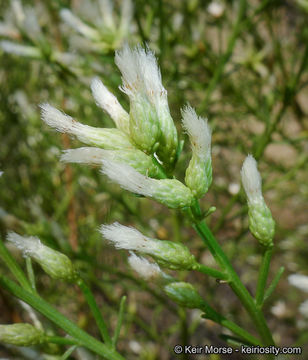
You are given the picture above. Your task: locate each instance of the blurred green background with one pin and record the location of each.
(241, 64)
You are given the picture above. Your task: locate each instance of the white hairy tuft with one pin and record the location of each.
(198, 131)
(124, 237)
(147, 270)
(28, 245)
(140, 72)
(20, 50)
(84, 155)
(299, 281)
(108, 102)
(251, 179)
(57, 119)
(128, 178)
(127, 63)
(77, 24)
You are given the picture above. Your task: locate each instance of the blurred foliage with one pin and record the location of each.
(241, 64)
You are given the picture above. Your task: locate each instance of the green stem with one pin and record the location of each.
(14, 267)
(273, 284)
(213, 315)
(263, 275)
(61, 340)
(212, 272)
(52, 314)
(95, 311)
(119, 322)
(235, 283)
(30, 272)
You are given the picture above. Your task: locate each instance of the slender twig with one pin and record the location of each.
(95, 311)
(263, 274)
(273, 284)
(212, 272)
(56, 317)
(119, 322)
(235, 283)
(30, 272)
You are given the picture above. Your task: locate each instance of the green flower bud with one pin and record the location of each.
(169, 192)
(20, 335)
(261, 223)
(94, 156)
(184, 294)
(168, 254)
(143, 124)
(54, 263)
(198, 176)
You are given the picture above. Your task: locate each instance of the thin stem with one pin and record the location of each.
(95, 311)
(273, 284)
(212, 272)
(119, 322)
(235, 283)
(68, 352)
(213, 315)
(61, 340)
(14, 267)
(52, 314)
(263, 275)
(30, 272)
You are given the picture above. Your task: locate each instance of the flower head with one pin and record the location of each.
(102, 137)
(251, 179)
(261, 223)
(198, 175)
(170, 192)
(147, 270)
(54, 263)
(167, 253)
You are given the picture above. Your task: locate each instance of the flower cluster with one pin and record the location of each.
(143, 147)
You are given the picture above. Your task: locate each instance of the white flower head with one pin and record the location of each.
(251, 179)
(167, 253)
(30, 246)
(128, 178)
(147, 270)
(84, 155)
(54, 263)
(140, 73)
(170, 192)
(108, 102)
(105, 138)
(20, 50)
(128, 238)
(77, 24)
(198, 131)
(299, 281)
